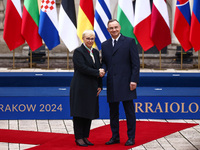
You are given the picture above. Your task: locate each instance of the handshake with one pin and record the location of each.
(101, 72)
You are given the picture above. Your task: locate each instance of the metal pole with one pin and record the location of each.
(181, 58)
(160, 59)
(67, 59)
(198, 59)
(48, 60)
(31, 64)
(142, 59)
(13, 59)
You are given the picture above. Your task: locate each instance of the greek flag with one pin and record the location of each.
(102, 16)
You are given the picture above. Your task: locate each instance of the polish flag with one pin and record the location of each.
(142, 24)
(160, 29)
(12, 26)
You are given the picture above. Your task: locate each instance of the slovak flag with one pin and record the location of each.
(48, 24)
(182, 21)
(195, 26)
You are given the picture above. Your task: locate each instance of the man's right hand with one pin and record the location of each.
(101, 72)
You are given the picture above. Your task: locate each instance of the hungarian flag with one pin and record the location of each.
(30, 22)
(142, 24)
(195, 26)
(160, 29)
(12, 25)
(48, 26)
(126, 16)
(182, 22)
(85, 17)
(67, 24)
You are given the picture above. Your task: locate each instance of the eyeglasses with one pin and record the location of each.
(90, 39)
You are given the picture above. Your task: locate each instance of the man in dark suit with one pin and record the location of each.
(121, 61)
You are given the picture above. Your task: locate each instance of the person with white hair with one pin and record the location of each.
(85, 88)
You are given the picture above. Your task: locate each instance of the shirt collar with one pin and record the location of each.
(87, 47)
(116, 38)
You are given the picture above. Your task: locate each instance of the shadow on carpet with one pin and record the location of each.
(146, 131)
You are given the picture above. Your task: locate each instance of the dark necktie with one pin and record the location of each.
(115, 42)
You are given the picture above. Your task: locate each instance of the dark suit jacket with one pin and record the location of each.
(83, 89)
(122, 63)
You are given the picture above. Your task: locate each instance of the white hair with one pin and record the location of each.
(88, 32)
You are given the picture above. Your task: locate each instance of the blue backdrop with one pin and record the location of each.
(46, 96)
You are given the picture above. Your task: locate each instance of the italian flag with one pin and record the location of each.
(30, 22)
(125, 16)
(85, 17)
(142, 24)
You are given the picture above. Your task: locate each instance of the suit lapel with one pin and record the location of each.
(110, 46)
(87, 55)
(96, 60)
(118, 44)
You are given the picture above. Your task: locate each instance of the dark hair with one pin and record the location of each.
(112, 20)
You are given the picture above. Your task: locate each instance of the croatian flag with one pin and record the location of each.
(182, 21)
(195, 26)
(48, 24)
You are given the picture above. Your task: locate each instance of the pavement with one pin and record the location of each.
(188, 139)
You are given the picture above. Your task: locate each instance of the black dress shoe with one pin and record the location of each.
(88, 142)
(129, 142)
(80, 144)
(113, 141)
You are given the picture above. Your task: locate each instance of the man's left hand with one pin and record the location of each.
(133, 86)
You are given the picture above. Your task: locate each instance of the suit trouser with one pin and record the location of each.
(130, 118)
(81, 127)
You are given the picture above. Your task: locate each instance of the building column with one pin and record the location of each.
(2, 14)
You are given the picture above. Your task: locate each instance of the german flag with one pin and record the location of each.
(85, 17)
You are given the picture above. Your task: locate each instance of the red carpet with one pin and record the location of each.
(146, 131)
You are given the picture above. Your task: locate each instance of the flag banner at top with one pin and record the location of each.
(160, 29)
(48, 24)
(126, 16)
(67, 24)
(102, 16)
(12, 24)
(85, 17)
(142, 24)
(195, 26)
(30, 22)
(182, 22)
